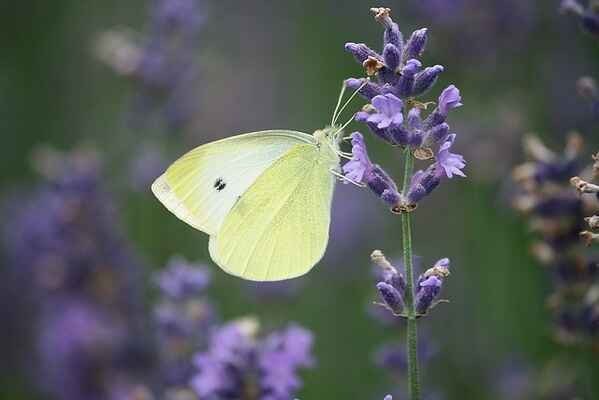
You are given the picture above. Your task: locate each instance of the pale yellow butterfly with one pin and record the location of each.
(263, 197)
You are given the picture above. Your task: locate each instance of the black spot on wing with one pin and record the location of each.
(219, 184)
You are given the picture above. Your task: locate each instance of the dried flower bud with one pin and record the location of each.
(593, 221)
(583, 186)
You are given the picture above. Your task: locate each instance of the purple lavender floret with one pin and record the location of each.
(240, 365)
(429, 285)
(450, 163)
(427, 291)
(449, 99)
(360, 170)
(447, 165)
(388, 111)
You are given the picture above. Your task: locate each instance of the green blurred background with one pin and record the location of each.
(280, 65)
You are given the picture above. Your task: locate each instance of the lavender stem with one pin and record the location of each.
(412, 334)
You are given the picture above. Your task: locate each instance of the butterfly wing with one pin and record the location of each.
(201, 187)
(279, 228)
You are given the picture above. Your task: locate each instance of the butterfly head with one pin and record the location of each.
(327, 140)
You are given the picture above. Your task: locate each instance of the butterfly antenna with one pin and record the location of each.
(341, 93)
(338, 131)
(349, 101)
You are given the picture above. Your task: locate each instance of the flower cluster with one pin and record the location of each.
(392, 285)
(82, 280)
(165, 67)
(556, 212)
(239, 364)
(183, 318)
(395, 116)
(588, 15)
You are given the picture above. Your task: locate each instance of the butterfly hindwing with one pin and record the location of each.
(201, 187)
(279, 228)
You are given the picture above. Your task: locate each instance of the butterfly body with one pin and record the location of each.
(264, 198)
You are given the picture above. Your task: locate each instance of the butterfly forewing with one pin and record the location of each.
(202, 186)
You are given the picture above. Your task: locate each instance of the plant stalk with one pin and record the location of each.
(412, 333)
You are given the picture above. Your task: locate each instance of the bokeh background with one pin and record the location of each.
(67, 90)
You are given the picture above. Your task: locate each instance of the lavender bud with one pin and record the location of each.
(406, 81)
(383, 186)
(416, 44)
(398, 135)
(422, 184)
(426, 79)
(427, 291)
(390, 297)
(390, 197)
(368, 91)
(361, 52)
(392, 57)
(395, 279)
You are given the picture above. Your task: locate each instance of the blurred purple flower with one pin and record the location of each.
(183, 317)
(166, 67)
(181, 279)
(240, 365)
(82, 277)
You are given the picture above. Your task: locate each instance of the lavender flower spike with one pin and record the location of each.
(389, 111)
(450, 163)
(450, 98)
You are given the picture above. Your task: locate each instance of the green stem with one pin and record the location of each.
(412, 334)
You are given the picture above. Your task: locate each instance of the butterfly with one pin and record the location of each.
(264, 198)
